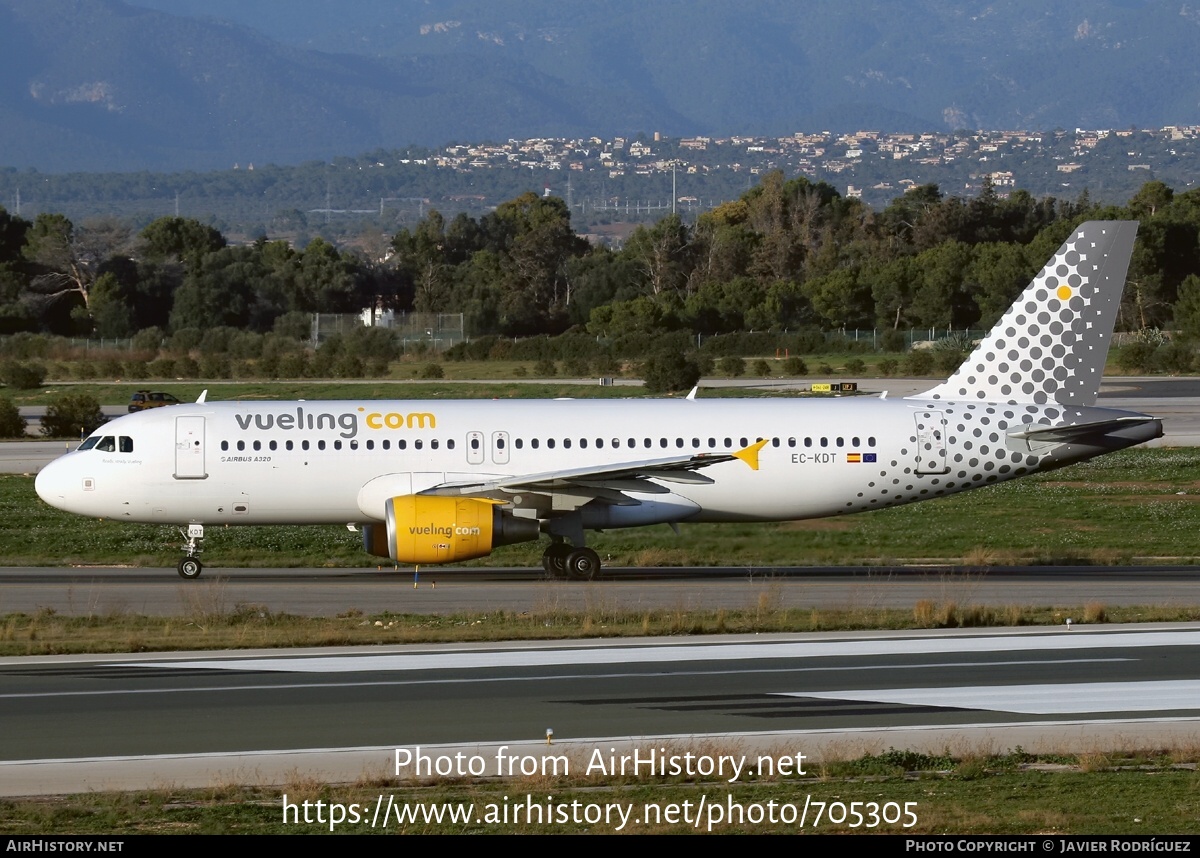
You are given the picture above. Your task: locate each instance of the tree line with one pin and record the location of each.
(787, 256)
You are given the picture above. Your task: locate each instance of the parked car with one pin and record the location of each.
(143, 399)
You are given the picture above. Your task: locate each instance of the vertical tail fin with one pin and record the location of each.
(1052, 343)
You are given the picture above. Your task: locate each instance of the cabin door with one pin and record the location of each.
(189, 449)
(931, 442)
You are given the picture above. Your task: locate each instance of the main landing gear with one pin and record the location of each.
(563, 560)
(190, 566)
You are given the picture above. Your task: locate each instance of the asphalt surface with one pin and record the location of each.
(107, 591)
(72, 724)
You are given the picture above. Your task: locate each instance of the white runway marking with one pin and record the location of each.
(1061, 641)
(1079, 698)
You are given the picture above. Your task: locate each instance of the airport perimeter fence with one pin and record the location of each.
(438, 332)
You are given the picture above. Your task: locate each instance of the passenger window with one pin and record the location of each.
(272, 445)
(871, 441)
(841, 442)
(353, 445)
(288, 445)
(533, 442)
(518, 443)
(450, 444)
(401, 444)
(303, 445)
(337, 445)
(241, 445)
(566, 442)
(583, 443)
(808, 442)
(258, 445)
(550, 443)
(417, 445)
(824, 442)
(320, 445)
(224, 445)
(854, 442)
(433, 445)
(387, 445)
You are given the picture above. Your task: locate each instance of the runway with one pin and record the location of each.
(101, 591)
(79, 723)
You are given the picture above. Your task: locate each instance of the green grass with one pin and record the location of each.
(209, 622)
(188, 391)
(1136, 505)
(1146, 793)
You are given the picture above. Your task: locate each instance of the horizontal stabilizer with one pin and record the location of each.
(1092, 434)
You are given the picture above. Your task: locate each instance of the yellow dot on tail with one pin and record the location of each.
(1064, 292)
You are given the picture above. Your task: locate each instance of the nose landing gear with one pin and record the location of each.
(190, 566)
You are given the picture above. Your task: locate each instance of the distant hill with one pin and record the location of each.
(171, 84)
(101, 85)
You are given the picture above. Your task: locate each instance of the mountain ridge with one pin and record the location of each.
(175, 84)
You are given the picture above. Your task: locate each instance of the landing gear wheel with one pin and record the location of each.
(583, 564)
(190, 567)
(554, 559)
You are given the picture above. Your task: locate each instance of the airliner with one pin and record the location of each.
(437, 482)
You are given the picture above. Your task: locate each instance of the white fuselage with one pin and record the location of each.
(337, 461)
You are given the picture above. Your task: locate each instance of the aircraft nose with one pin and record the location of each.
(53, 484)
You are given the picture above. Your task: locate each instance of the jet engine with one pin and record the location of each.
(433, 529)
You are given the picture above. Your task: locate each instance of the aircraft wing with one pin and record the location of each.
(609, 483)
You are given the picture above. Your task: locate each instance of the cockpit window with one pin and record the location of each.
(108, 443)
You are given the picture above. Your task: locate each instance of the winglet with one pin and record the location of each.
(203, 395)
(692, 395)
(749, 455)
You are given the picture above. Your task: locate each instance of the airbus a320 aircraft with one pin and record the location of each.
(434, 482)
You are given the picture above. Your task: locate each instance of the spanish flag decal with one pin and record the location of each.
(854, 458)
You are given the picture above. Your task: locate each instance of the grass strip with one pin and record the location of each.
(211, 625)
(1126, 792)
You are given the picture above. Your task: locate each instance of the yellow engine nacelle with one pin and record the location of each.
(432, 529)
